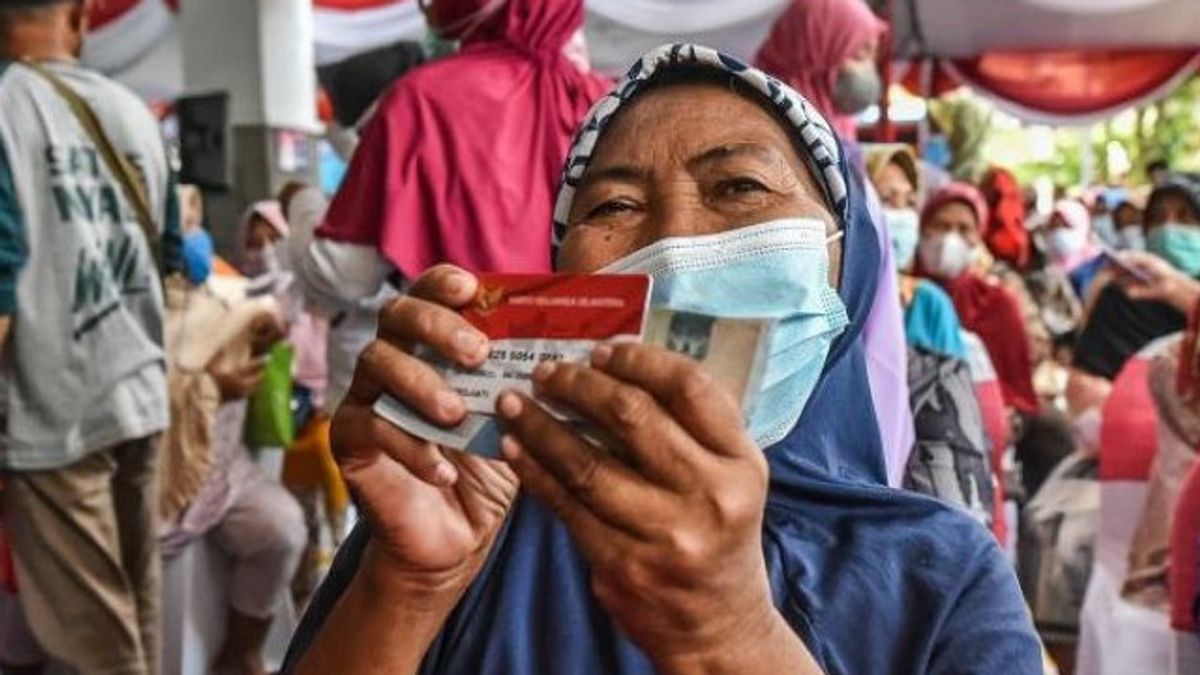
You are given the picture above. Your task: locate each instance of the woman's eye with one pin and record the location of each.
(613, 207)
(742, 186)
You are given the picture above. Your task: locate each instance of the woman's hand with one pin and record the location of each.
(265, 330)
(1162, 282)
(671, 524)
(236, 381)
(434, 512)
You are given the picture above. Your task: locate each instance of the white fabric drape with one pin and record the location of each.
(132, 46)
(341, 34)
(964, 28)
(121, 44)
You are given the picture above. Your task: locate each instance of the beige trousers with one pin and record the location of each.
(84, 539)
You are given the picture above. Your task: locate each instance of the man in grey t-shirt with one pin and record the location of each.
(82, 372)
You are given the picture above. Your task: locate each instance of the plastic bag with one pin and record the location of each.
(269, 421)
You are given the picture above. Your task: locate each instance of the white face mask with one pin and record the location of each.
(946, 256)
(1133, 238)
(1064, 242)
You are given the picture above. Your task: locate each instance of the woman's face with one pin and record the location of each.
(952, 217)
(687, 160)
(1057, 222)
(1127, 215)
(1171, 208)
(894, 188)
(260, 234)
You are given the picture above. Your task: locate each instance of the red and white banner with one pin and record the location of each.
(1043, 60)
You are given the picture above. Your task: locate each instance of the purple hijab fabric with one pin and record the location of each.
(887, 357)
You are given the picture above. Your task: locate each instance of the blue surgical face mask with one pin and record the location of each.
(1178, 244)
(777, 270)
(198, 256)
(905, 228)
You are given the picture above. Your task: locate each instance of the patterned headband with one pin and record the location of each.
(813, 134)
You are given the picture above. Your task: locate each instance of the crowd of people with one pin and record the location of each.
(954, 377)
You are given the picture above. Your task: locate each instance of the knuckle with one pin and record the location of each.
(687, 550)
(581, 476)
(735, 507)
(629, 407)
(423, 322)
(694, 385)
(630, 574)
(371, 359)
(390, 310)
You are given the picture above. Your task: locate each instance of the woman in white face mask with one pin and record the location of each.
(930, 321)
(1069, 242)
(951, 237)
(1127, 218)
(706, 542)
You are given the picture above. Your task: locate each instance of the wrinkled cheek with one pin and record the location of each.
(588, 248)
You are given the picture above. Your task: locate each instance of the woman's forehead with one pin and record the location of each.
(957, 211)
(682, 121)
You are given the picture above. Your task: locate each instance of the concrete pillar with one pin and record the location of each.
(260, 53)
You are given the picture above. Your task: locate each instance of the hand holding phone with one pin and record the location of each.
(1126, 268)
(1146, 277)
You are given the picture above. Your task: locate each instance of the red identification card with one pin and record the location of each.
(560, 306)
(532, 318)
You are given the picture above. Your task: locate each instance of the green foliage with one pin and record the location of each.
(1174, 132)
(1168, 129)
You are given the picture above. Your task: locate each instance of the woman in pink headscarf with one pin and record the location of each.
(460, 162)
(826, 50)
(1071, 245)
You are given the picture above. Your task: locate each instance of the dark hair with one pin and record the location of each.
(1158, 165)
(357, 82)
(1184, 186)
(13, 11)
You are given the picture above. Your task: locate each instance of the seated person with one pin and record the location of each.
(1119, 325)
(221, 494)
(708, 544)
(930, 321)
(1071, 245)
(951, 240)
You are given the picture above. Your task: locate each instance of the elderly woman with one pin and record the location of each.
(705, 546)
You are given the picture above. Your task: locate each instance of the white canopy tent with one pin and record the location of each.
(136, 43)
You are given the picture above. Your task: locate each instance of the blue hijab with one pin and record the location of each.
(872, 579)
(931, 322)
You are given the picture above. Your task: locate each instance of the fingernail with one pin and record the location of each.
(469, 342)
(543, 371)
(445, 474)
(510, 449)
(601, 355)
(509, 406)
(450, 403)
